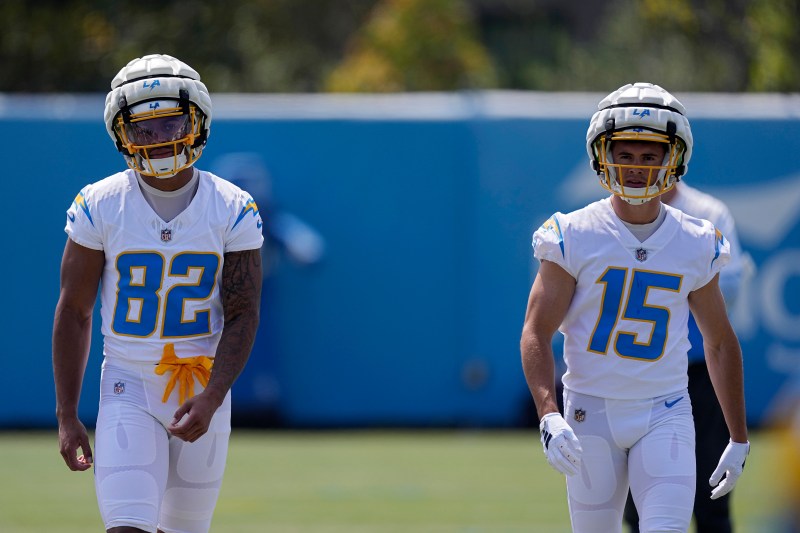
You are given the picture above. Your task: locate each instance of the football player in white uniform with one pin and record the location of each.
(175, 251)
(618, 279)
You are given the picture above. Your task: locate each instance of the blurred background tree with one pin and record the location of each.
(415, 45)
(407, 45)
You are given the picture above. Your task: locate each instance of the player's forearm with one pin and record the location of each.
(233, 351)
(725, 368)
(539, 368)
(71, 339)
(241, 299)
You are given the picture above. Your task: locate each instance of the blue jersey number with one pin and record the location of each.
(141, 276)
(636, 308)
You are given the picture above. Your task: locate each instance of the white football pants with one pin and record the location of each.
(648, 444)
(144, 477)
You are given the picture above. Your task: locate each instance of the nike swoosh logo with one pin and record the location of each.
(71, 217)
(669, 405)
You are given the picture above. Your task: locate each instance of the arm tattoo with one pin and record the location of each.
(241, 297)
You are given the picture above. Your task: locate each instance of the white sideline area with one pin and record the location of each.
(410, 106)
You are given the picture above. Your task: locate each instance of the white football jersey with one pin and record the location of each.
(625, 333)
(160, 283)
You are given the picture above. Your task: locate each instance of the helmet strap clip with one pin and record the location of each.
(611, 125)
(672, 130)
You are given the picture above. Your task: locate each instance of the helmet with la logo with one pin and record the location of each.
(639, 112)
(158, 114)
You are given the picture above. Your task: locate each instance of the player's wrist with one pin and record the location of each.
(66, 413)
(547, 408)
(215, 396)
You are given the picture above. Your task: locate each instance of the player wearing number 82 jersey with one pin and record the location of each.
(161, 280)
(176, 254)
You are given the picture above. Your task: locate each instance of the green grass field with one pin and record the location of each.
(353, 481)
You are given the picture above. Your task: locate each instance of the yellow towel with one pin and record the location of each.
(183, 372)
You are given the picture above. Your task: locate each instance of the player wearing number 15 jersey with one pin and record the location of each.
(618, 278)
(644, 348)
(176, 252)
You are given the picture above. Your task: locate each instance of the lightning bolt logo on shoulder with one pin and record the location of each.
(80, 201)
(552, 225)
(719, 240)
(249, 207)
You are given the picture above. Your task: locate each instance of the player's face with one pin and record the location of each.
(633, 158)
(158, 133)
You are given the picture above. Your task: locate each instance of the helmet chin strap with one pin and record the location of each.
(636, 201)
(166, 167)
(649, 193)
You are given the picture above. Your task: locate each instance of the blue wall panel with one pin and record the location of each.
(414, 313)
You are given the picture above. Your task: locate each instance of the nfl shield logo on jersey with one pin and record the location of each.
(580, 415)
(166, 235)
(641, 255)
(119, 387)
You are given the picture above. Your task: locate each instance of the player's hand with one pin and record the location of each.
(561, 446)
(72, 436)
(192, 419)
(730, 465)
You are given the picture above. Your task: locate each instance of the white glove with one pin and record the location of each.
(731, 465)
(561, 446)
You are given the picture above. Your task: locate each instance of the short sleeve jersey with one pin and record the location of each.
(161, 280)
(625, 332)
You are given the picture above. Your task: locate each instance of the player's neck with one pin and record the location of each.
(636, 214)
(170, 184)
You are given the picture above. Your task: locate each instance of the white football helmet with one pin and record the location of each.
(639, 112)
(158, 114)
